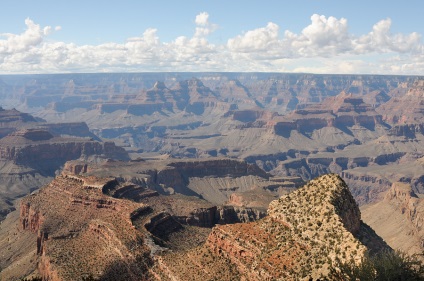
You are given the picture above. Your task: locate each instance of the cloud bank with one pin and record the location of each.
(324, 46)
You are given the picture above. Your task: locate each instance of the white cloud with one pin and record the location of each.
(202, 19)
(324, 46)
(203, 26)
(32, 37)
(381, 40)
(323, 37)
(255, 40)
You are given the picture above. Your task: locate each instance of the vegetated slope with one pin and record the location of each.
(303, 234)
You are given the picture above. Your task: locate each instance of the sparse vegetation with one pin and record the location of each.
(33, 279)
(385, 266)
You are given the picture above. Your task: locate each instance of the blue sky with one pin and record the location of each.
(320, 36)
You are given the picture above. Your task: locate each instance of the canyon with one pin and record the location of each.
(109, 228)
(201, 156)
(32, 150)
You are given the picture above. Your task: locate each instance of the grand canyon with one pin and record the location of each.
(207, 176)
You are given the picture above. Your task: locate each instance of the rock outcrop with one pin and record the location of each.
(36, 147)
(81, 232)
(303, 234)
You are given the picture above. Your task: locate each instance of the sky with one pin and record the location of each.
(314, 36)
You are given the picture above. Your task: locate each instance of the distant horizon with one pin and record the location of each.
(211, 72)
(309, 36)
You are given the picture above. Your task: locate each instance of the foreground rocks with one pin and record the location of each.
(303, 234)
(90, 224)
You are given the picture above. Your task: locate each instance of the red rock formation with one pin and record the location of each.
(97, 237)
(304, 232)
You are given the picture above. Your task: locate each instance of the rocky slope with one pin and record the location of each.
(300, 238)
(84, 225)
(80, 232)
(105, 220)
(400, 207)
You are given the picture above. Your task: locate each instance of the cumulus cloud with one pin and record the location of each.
(32, 36)
(255, 40)
(323, 37)
(202, 19)
(203, 26)
(323, 46)
(381, 40)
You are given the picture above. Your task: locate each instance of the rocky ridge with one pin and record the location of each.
(300, 238)
(81, 232)
(84, 227)
(124, 211)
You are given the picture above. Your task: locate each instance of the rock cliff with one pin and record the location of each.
(341, 111)
(39, 149)
(407, 108)
(398, 218)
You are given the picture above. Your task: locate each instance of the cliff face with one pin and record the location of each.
(31, 150)
(77, 129)
(212, 179)
(341, 111)
(407, 108)
(34, 147)
(399, 218)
